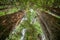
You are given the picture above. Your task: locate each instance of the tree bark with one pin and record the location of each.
(50, 26)
(8, 23)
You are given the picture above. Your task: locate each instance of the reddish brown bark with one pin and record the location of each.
(8, 22)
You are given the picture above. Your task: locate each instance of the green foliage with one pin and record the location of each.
(32, 3)
(32, 26)
(9, 11)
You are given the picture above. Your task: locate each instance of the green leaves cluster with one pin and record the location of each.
(32, 25)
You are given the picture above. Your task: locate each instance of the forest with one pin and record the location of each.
(29, 19)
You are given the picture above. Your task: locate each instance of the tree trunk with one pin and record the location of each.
(8, 22)
(50, 26)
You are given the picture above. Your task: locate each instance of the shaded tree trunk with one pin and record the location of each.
(8, 23)
(50, 26)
